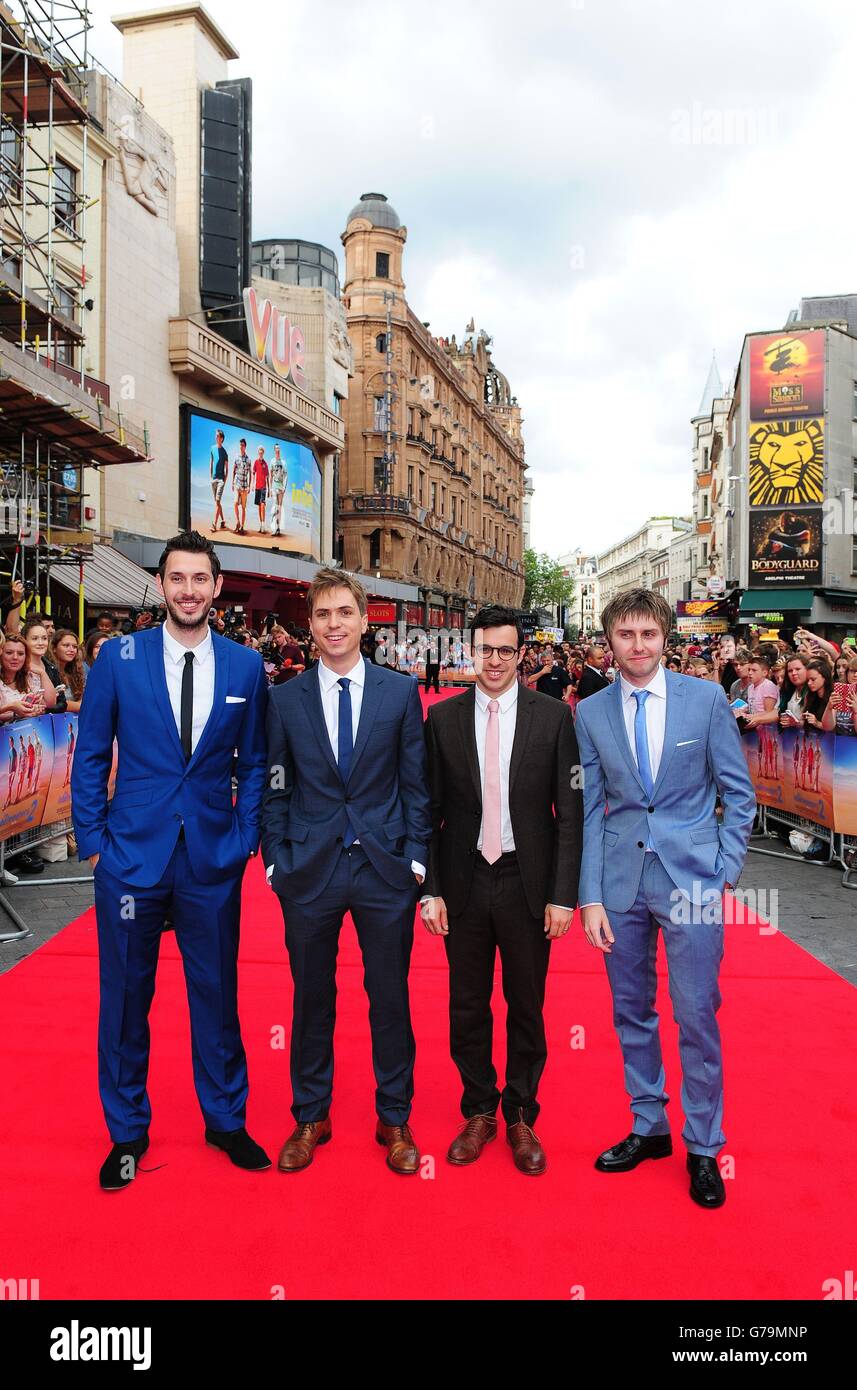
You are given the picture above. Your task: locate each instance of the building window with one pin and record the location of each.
(337, 403)
(67, 306)
(443, 501)
(375, 549)
(65, 196)
(10, 158)
(454, 506)
(381, 342)
(380, 414)
(705, 504)
(705, 460)
(410, 481)
(379, 473)
(434, 497)
(382, 265)
(421, 488)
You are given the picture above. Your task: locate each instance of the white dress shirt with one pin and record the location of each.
(508, 716)
(656, 715)
(203, 681)
(656, 720)
(330, 691)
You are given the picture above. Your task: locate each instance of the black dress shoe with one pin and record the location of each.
(633, 1150)
(30, 863)
(706, 1184)
(120, 1166)
(244, 1151)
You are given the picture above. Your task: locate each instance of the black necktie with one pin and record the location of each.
(187, 706)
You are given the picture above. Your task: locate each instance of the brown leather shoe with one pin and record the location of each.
(471, 1140)
(527, 1150)
(298, 1150)
(403, 1156)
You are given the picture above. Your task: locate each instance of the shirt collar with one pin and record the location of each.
(505, 701)
(328, 679)
(176, 652)
(656, 686)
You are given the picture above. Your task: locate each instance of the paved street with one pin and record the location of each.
(812, 907)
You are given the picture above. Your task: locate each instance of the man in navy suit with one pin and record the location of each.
(345, 828)
(178, 700)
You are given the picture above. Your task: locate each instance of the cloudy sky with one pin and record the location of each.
(612, 189)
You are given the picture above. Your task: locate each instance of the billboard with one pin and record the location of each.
(248, 486)
(786, 375)
(785, 547)
(786, 463)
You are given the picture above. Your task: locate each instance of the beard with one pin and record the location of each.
(185, 620)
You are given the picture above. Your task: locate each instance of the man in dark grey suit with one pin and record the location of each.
(503, 869)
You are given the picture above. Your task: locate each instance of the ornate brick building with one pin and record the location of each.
(432, 476)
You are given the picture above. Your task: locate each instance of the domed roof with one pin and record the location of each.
(375, 208)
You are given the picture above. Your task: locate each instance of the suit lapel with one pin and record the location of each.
(369, 706)
(220, 650)
(467, 728)
(615, 714)
(523, 724)
(154, 650)
(675, 717)
(316, 720)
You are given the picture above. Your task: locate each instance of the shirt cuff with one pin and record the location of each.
(268, 872)
(562, 907)
(418, 868)
(583, 905)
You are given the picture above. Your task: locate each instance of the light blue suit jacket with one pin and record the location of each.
(702, 756)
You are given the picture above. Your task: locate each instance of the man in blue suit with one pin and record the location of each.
(345, 828)
(656, 749)
(179, 701)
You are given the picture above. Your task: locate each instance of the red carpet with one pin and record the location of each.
(348, 1228)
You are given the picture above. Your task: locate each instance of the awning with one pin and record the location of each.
(110, 580)
(776, 601)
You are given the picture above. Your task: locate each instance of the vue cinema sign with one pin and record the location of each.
(274, 339)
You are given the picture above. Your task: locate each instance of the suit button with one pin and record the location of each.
(640, 845)
(650, 809)
(339, 839)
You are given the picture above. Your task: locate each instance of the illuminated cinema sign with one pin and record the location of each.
(274, 339)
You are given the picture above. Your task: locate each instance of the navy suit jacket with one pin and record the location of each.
(307, 806)
(135, 833)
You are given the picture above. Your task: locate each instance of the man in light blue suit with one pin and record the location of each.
(179, 701)
(656, 750)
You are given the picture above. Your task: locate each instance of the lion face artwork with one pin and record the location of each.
(786, 462)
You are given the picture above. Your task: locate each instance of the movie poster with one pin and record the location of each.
(845, 785)
(785, 547)
(26, 762)
(792, 770)
(786, 463)
(58, 799)
(786, 375)
(246, 486)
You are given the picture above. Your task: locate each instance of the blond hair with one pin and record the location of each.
(641, 603)
(328, 578)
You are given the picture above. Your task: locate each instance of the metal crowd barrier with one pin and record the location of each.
(28, 839)
(841, 849)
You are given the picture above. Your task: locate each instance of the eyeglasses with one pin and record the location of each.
(505, 653)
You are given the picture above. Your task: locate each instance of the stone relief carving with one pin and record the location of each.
(339, 343)
(145, 180)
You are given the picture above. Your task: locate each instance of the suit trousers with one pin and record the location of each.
(497, 918)
(693, 938)
(130, 920)
(384, 921)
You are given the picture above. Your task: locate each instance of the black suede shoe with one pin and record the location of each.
(29, 862)
(633, 1150)
(706, 1184)
(120, 1166)
(244, 1151)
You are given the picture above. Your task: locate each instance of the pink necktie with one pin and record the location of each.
(492, 843)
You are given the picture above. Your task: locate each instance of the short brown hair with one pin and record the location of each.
(637, 602)
(329, 578)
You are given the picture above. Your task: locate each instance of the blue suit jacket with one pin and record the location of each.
(702, 756)
(304, 812)
(156, 790)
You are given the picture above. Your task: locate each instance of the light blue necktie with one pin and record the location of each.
(641, 740)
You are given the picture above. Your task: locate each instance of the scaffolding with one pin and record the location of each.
(54, 419)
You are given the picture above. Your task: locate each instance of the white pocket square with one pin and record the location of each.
(236, 699)
(685, 741)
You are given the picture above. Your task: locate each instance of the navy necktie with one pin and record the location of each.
(345, 742)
